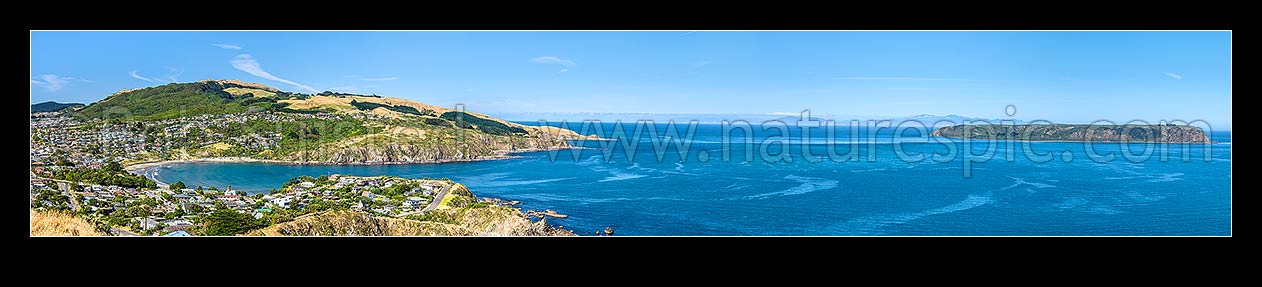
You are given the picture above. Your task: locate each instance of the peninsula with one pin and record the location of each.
(85, 161)
(330, 205)
(1078, 133)
(228, 119)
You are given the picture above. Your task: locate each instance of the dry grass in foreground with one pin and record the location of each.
(53, 223)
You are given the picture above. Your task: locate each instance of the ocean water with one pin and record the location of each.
(879, 193)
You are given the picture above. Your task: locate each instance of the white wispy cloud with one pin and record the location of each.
(904, 79)
(248, 64)
(53, 83)
(227, 46)
(1175, 76)
(170, 78)
(134, 74)
(554, 60)
(345, 89)
(561, 71)
(372, 79)
(174, 73)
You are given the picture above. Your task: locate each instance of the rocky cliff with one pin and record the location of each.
(432, 147)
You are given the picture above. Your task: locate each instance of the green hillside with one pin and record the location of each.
(51, 106)
(260, 122)
(178, 100)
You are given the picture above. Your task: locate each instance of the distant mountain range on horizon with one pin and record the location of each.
(926, 119)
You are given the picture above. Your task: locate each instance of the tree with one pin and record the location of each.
(224, 222)
(112, 167)
(178, 185)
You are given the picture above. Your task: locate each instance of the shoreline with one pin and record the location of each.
(496, 155)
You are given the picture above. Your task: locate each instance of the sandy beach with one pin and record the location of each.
(144, 165)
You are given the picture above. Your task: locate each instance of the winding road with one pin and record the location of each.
(437, 199)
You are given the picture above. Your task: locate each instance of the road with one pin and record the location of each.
(63, 186)
(74, 205)
(437, 199)
(121, 232)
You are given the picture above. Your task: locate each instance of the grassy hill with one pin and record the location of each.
(328, 127)
(51, 106)
(54, 223)
(182, 100)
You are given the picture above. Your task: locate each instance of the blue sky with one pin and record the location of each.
(1057, 76)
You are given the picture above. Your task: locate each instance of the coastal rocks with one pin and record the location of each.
(500, 202)
(1083, 133)
(547, 213)
(405, 150)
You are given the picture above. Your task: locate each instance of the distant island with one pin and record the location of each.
(51, 106)
(1078, 133)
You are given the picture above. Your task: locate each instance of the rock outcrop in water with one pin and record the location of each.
(1083, 133)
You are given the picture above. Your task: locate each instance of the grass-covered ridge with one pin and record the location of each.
(181, 100)
(225, 118)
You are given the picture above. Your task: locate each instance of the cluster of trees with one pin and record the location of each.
(398, 189)
(340, 94)
(250, 99)
(468, 121)
(55, 200)
(110, 174)
(365, 106)
(225, 222)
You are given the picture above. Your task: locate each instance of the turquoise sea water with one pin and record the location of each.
(880, 195)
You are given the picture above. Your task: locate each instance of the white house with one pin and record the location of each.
(282, 202)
